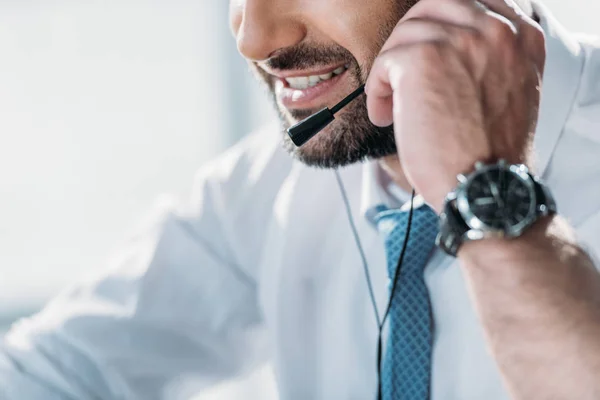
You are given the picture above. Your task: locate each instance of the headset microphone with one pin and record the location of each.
(306, 129)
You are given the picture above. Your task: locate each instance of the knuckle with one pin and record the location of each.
(535, 44)
(502, 31)
(383, 58)
(429, 53)
(469, 39)
(536, 34)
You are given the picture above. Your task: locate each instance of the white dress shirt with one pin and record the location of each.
(260, 265)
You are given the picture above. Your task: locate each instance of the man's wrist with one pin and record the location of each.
(537, 236)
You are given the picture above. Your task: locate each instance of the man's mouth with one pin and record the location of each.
(303, 90)
(304, 82)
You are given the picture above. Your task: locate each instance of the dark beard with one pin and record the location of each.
(349, 140)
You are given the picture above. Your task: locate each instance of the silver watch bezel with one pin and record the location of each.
(479, 229)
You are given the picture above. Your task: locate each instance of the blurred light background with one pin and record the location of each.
(104, 105)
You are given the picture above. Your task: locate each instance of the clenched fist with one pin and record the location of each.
(460, 80)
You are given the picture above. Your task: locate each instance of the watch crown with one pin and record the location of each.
(461, 178)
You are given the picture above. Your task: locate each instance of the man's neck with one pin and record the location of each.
(392, 167)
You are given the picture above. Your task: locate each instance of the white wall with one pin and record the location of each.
(103, 105)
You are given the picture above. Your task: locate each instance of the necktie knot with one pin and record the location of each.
(392, 225)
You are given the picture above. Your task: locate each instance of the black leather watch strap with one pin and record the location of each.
(452, 227)
(545, 202)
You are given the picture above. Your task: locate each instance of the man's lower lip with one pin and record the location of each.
(310, 97)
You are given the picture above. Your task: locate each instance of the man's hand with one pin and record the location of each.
(460, 81)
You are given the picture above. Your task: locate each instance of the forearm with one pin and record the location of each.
(538, 298)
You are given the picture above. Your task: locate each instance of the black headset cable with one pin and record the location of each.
(380, 322)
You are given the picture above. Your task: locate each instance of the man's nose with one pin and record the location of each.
(262, 27)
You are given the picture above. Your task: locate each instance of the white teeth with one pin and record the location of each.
(300, 82)
(313, 80)
(304, 82)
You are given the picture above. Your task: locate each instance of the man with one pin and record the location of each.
(261, 263)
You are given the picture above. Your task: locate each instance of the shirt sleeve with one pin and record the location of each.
(176, 311)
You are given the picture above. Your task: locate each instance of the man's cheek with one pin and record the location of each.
(261, 75)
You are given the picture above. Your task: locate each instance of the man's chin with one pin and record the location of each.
(296, 116)
(320, 151)
(351, 138)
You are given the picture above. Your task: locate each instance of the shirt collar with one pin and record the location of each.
(564, 63)
(379, 193)
(373, 193)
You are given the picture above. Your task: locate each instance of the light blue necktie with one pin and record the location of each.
(407, 364)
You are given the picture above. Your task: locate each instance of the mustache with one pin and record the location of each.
(303, 56)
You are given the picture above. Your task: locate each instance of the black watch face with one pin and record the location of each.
(500, 198)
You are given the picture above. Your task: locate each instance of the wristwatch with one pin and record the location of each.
(496, 200)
